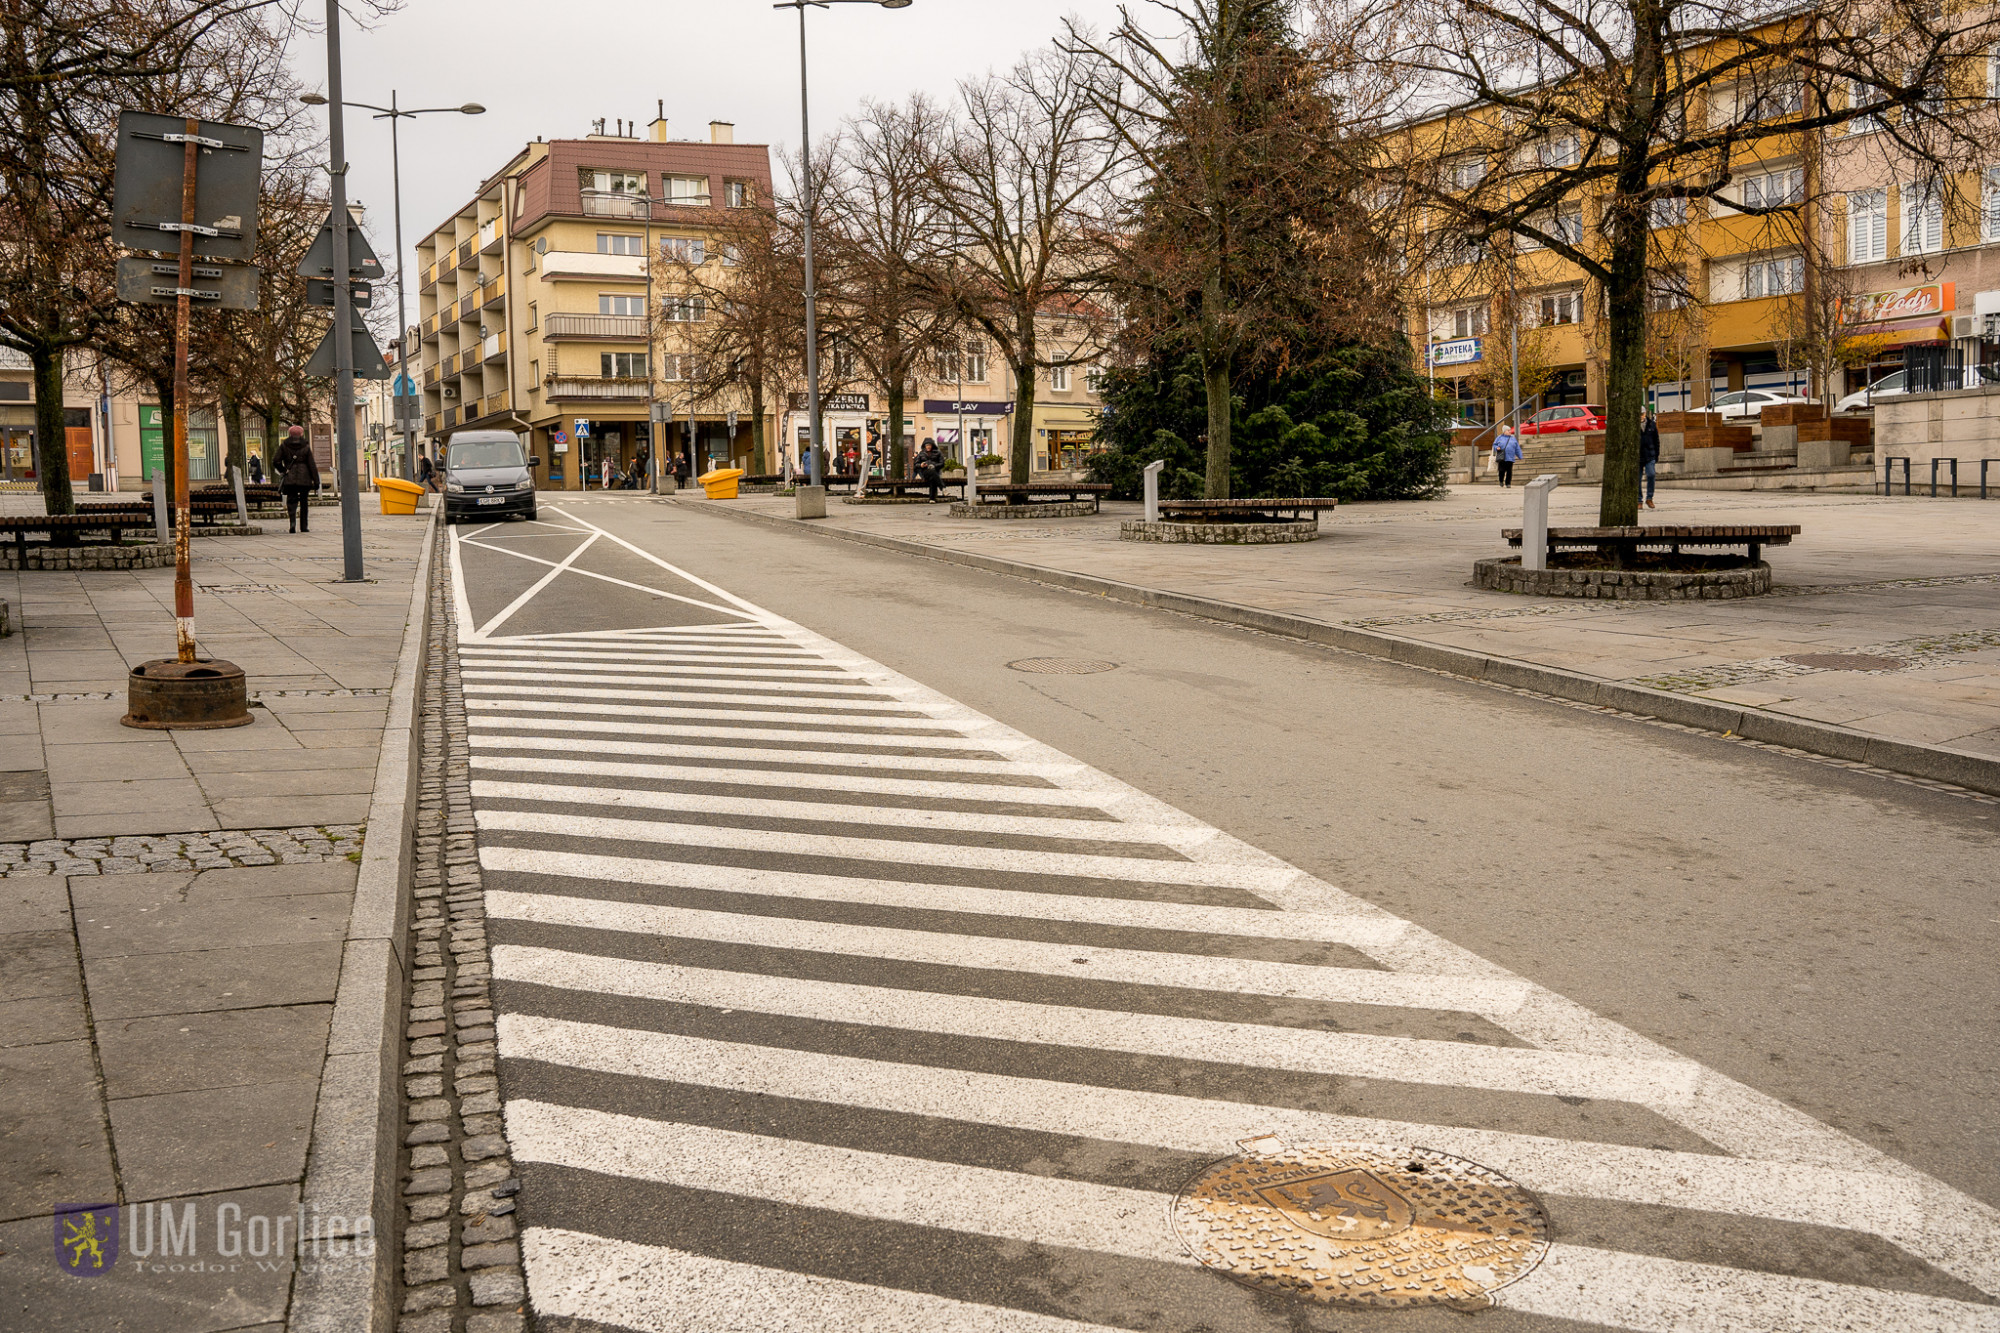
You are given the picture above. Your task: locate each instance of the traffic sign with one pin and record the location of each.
(146, 189)
(663, 412)
(560, 437)
(583, 430)
(732, 423)
(361, 260)
(319, 291)
(368, 362)
(144, 280)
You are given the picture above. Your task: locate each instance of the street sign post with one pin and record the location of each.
(319, 291)
(145, 280)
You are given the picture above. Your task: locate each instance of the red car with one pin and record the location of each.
(1558, 420)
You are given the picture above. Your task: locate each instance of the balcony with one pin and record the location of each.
(565, 388)
(430, 377)
(450, 417)
(429, 281)
(599, 205)
(589, 266)
(493, 348)
(430, 329)
(489, 238)
(470, 358)
(468, 305)
(493, 291)
(603, 328)
(495, 403)
(449, 368)
(468, 254)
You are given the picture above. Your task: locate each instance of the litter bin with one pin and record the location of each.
(398, 496)
(721, 483)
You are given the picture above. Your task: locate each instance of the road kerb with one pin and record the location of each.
(351, 1164)
(1936, 763)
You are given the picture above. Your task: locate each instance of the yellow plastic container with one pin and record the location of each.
(721, 483)
(398, 496)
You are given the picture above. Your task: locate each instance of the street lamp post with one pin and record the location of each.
(394, 113)
(811, 205)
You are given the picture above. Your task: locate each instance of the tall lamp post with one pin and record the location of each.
(812, 205)
(394, 113)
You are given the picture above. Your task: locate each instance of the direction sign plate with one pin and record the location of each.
(319, 291)
(143, 280)
(361, 260)
(368, 362)
(146, 191)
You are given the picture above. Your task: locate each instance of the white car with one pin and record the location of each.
(1747, 404)
(1898, 382)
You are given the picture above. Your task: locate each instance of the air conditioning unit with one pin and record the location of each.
(1962, 326)
(450, 392)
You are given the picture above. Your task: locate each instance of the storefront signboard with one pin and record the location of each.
(947, 407)
(1898, 303)
(1458, 352)
(833, 402)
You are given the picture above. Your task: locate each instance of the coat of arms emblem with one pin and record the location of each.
(86, 1236)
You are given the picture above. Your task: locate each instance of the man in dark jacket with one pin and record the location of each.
(1649, 454)
(929, 463)
(297, 473)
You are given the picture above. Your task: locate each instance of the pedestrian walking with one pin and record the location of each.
(257, 469)
(297, 472)
(1506, 452)
(1649, 454)
(426, 472)
(929, 464)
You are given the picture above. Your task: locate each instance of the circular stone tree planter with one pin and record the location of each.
(1264, 533)
(1624, 585)
(1046, 509)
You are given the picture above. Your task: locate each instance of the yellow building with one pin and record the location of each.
(534, 298)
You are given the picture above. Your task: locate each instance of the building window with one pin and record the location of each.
(687, 191)
(617, 243)
(1565, 224)
(1667, 289)
(1561, 308)
(1093, 380)
(1775, 189)
(1867, 226)
(684, 309)
(609, 303)
(975, 365)
(1989, 206)
(615, 182)
(1923, 220)
(1670, 211)
(534, 321)
(1560, 151)
(731, 255)
(1777, 275)
(1787, 97)
(1467, 172)
(736, 194)
(1860, 94)
(1059, 378)
(1467, 321)
(680, 368)
(622, 365)
(684, 249)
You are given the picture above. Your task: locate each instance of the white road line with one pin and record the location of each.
(778, 780)
(1624, 1290)
(1139, 913)
(892, 817)
(593, 660)
(768, 715)
(667, 689)
(662, 1290)
(1131, 967)
(653, 676)
(796, 759)
(1401, 1059)
(539, 584)
(873, 740)
(1738, 1186)
(870, 707)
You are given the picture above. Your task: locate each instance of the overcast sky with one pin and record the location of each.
(551, 69)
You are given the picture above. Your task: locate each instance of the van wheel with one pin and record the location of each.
(531, 513)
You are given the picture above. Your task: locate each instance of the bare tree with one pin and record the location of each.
(1504, 120)
(1023, 176)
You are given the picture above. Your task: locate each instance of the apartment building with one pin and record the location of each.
(535, 298)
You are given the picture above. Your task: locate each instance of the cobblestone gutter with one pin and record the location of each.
(460, 1262)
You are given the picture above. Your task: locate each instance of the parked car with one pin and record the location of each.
(1897, 381)
(1561, 420)
(1745, 404)
(487, 476)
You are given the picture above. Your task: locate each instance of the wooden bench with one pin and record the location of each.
(72, 526)
(904, 485)
(1269, 508)
(201, 509)
(1627, 541)
(1042, 492)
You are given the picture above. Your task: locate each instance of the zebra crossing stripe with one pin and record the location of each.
(866, 708)
(835, 737)
(652, 695)
(1139, 913)
(688, 652)
(801, 760)
(1134, 967)
(664, 1290)
(1357, 1055)
(1631, 1291)
(785, 781)
(664, 676)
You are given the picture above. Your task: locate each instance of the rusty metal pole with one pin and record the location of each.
(183, 575)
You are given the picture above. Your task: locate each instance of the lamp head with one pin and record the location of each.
(312, 99)
(474, 109)
(894, 4)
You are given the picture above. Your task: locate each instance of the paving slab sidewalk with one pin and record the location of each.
(173, 912)
(1913, 579)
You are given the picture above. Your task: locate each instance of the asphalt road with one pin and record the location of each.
(1821, 940)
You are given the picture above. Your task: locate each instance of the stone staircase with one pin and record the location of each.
(1560, 454)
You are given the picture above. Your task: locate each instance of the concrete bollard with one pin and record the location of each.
(1153, 470)
(242, 510)
(160, 505)
(812, 502)
(1535, 521)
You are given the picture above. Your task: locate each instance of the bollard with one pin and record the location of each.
(1535, 521)
(242, 510)
(1153, 470)
(1984, 463)
(1954, 476)
(810, 501)
(160, 506)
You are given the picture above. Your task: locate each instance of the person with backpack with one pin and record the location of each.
(297, 472)
(1649, 454)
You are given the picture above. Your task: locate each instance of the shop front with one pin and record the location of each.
(844, 426)
(1064, 438)
(1880, 326)
(983, 424)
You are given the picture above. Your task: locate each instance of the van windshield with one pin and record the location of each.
(487, 451)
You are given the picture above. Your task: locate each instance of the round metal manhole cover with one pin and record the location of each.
(1847, 662)
(1361, 1224)
(1062, 666)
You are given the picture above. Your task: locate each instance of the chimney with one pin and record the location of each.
(721, 131)
(657, 131)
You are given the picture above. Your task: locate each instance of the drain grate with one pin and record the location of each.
(1847, 662)
(1362, 1224)
(1062, 666)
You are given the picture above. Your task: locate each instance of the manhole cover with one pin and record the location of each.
(1362, 1224)
(1847, 662)
(1062, 666)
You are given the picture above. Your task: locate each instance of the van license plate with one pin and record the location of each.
(492, 500)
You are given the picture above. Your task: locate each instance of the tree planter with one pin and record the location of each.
(1261, 533)
(1745, 579)
(1047, 509)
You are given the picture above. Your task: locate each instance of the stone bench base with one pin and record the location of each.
(1506, 575)
(1218, 534)
(131, 555)
(227, 529)
(887, 500)
(1045, 509)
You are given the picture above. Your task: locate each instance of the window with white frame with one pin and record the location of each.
(615, 182)
(731, 255)
(975, 365)
(686, 190)
(1466, 321)
(1863, 94)
(1867, 226)
(736, 194)
(622, 365)
(1922, 219)
(684, 249)
(1667, 289)
(1559, 151)
(617, 243)
(1775, 189)
(1059, 378)
(684, 309)
(1669, 211)
(1773, 275)
(1785, 97)
(611, 303)
(1468, 171)
(1565, 223)
(1989, 205)
(1093, 380)
(1554, 308)
(678, 368)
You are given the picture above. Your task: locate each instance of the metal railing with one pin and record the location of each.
(606, 205)
(615, 389)
(620, 327)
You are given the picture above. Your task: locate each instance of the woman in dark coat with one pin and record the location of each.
(298, 477)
